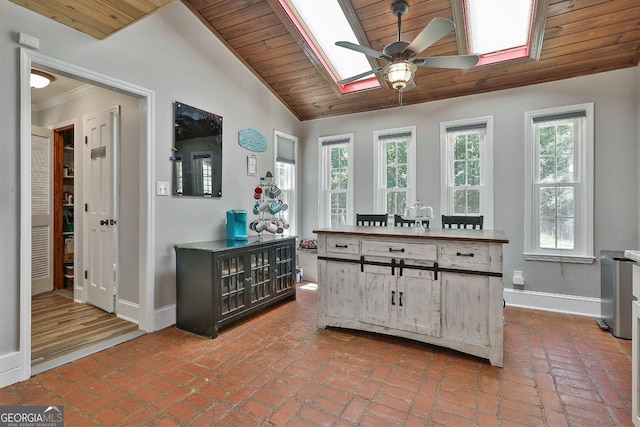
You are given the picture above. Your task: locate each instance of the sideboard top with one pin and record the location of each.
(219, 245)
(492, 236)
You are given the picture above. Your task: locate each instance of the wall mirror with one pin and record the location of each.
(197, 164)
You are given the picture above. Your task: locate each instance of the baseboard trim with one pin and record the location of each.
(127, 310)
(10, 370)
(165, 316)
(560, 303)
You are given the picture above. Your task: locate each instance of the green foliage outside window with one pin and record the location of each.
(397, 176)
(339, 185)
(466, 173)
(557, 202)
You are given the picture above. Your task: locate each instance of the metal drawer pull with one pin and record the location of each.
(461, 254)
(400, 298)
(342, 246)
(393, 295)
(396, 250)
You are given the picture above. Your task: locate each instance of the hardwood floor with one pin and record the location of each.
(59, 325)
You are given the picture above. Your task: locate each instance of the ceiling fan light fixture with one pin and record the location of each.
(40, 79)
(399, 73)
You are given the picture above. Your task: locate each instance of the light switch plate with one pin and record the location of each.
(162, 188)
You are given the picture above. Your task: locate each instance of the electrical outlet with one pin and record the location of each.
(162, 188)
(517, 278)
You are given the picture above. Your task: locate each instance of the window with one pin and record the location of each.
(311, 18)
(285, 176)
(500, 30)
(466, 161)
(559, 184)
(336, 180)
(394, 170)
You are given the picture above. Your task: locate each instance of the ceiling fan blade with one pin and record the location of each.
(359, 76)
(363, 49)
(434, 31)
(462, 62)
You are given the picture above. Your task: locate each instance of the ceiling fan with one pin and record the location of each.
(401, 55)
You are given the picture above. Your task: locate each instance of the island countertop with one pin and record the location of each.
(491, 236)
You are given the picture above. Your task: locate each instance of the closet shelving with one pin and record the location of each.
(63, 192)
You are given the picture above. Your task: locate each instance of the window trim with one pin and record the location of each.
(378, 175)
(583, 253)
(486, 167)
(324, 217)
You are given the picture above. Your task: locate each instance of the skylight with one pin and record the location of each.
(501, 30)
(322, 24)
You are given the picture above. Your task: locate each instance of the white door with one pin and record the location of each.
(41, 210)
(100, 132)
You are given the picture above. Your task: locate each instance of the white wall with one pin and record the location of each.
(174, 55)
(616, 168)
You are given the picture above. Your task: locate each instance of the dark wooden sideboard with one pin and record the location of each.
(221, 282)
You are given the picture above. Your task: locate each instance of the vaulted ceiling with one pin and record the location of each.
(581, 37)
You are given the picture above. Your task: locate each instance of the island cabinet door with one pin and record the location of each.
(418, 303)
(379, 296)
(466, 305)
(340, 298)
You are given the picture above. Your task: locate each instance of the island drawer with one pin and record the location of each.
(400, 250)
(465, 255)
(343, 245)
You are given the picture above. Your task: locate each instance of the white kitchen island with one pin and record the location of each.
(635, 338)
(438, 286)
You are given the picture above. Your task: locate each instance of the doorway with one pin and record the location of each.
(61, 325)
(140, 303)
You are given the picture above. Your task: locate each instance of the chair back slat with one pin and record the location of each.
(462, 221)
(372, 219)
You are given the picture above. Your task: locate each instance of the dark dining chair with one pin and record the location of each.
(398, 221)
(462, 221)
(372, 219)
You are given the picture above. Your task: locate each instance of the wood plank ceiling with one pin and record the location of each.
(97, 18)
(581, 37)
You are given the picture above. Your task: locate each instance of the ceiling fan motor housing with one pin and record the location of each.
(396, 50)
(399, 8)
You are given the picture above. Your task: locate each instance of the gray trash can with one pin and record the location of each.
(616, 291)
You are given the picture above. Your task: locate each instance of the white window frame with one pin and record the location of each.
(379, 188)
(583, 251)
(288, 195)
(324, 201)
(486, 167)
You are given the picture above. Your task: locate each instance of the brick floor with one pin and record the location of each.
(278, 369)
